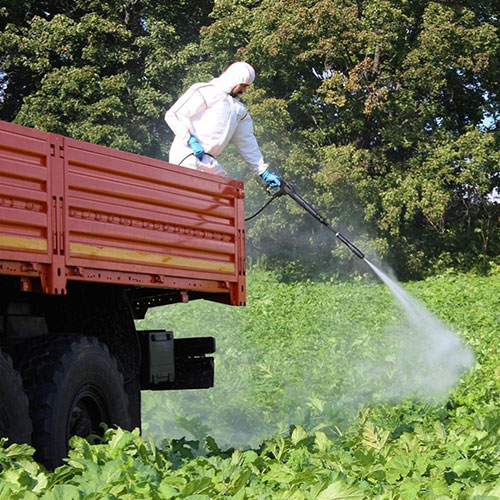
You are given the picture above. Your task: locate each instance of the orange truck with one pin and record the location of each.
(90, 238)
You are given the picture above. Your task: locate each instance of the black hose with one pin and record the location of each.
(255, 214)
(192, 154)
(185, 158)
(268, 202)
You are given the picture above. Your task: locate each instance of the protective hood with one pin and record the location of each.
(235, 74)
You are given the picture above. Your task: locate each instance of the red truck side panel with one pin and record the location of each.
(71, 210)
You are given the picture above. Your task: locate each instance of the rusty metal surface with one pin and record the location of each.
(78, 211)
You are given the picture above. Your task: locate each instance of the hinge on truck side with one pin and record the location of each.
(30, 267)
(59, 148)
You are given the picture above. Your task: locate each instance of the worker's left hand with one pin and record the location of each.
(273, 181)
(198, 150)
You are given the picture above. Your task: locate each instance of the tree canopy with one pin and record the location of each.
(383, 113)
(99, 71)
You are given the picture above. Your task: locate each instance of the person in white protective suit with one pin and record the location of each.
(207, 116)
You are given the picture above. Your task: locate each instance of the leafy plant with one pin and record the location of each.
(307, 423)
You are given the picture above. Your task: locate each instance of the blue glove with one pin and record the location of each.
(273, 181)
(198, 151)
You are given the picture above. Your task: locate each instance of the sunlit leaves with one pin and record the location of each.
(388, 451)
(104, 72)
(407, 85)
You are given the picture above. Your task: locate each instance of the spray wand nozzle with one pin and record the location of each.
(288, 189)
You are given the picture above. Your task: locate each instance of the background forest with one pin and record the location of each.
(383, 113)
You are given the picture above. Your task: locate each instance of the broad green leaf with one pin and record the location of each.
(279, 473)
(5, 491)
(317, 488)
(398, 467)
(410, 489)
(461, 466)
(339, 491)
(372, 438)
(17, 451)
(322, 442)
(440, 430)
(167, 491)
(240, 495)
(292, 495)
(197, 487)
(438, 488)
(298, 435)
(62, 492)
(119, 441)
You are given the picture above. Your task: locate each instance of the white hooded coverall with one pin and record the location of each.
(214, 117)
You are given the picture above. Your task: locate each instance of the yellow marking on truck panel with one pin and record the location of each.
(23, 242)
(151, 258)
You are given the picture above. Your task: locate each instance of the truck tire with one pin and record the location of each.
(73, 385)
(103, 312)
(15, 422)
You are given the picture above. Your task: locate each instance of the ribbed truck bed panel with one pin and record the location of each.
(75, 211)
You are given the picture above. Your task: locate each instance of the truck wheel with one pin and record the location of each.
(73, 385)
(15, 422)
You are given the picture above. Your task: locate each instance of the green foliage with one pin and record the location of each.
(409, 450)
(431, 461)
(311, 353)
(103, 72)
(363, 464)
(388, 102)
(383, 113)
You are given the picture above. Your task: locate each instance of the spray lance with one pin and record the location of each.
(289, 189)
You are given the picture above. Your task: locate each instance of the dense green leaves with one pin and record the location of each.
(379, 451)
(426, 463)
(104, 72)
(310, 353)
(383, 113)
(391, 106)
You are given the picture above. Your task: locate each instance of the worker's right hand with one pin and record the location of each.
(198, 151)
(273, 181)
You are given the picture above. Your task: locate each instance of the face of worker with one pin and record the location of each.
(238, 90)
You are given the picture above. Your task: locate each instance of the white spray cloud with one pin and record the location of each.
(429, 357)
(311, 378)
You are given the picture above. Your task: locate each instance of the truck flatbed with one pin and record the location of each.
(75, 211)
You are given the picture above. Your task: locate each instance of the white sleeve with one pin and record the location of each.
(245, 141)
(178, 117)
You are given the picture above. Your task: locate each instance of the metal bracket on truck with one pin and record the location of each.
(170, 363)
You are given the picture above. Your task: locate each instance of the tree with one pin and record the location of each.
(383, 113)
(102, 71)
(392, 131)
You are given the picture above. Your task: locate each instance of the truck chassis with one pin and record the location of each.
(90, 239)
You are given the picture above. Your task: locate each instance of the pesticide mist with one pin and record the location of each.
(430, 358)
(313, 354)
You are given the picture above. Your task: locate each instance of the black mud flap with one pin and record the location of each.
(175, 364)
